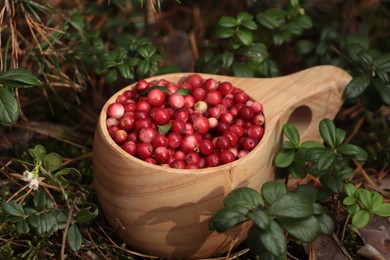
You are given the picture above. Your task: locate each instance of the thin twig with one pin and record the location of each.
(345, 252)
(364, 173)
(64, 235)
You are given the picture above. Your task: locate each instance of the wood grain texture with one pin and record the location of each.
(165, 212)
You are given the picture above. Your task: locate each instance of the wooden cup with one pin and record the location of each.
(165, 212)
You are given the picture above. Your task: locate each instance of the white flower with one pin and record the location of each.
(34, 184)
(27, 175)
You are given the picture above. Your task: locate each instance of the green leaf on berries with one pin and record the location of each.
(164, 129)
(183, 91)
(163, 89)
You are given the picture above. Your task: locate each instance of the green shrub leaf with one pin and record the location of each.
(52, 162)
(74, 237)
(382, 210)
(244, 17)
(18, 78)
(244, 197)
(350, 189)
(259, 218)
(292, 133)
(353, 151)
(284, 158)
(12, 208)
(227, 218)
(325, 160)
(86, 215)
(272, 191)
(291, 205)
(9, 108)
(227, 21)
(245, 36)
(361, 218)
(326, 224)
(305, 230)
(357, 86)
(223, 32)
(328, 131)
(348, 201)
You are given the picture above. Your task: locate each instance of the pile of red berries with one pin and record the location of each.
(196, 123)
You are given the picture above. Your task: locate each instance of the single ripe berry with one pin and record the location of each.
(115, 110)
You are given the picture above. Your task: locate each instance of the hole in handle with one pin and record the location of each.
(301, 118)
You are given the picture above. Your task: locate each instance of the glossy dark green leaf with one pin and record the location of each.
(227, 218)
(44, 222)
(244, 17)
(227, 21)
(9, 108)
(224, 33)
(143, 68)
(87, 214)
(340, 137)
(12, 208)
(125, 71)
(370, 99)
(292, 133)
(163, 89)
(245, 36)
(382, 62)
(272, 239)
(304, 21)
(332, 182)
(353, 151)
(41, 202)
(250, 25)
(227, 59)
(241, 70)
(325, 160)
(244, 197)
(361, 218)
(308, 191)
(291, 205)
(272, 191)
(383, 90)
(303, 147)
(22, 226)
(304, 46)
(259, 218)
(164, 129)
(272, 18)
(18, 78)
(68, 174)
(313, 154)
(328, 131)
(305, 230)
(74, 237)
(52, 162)
(327, 224)
(183, 91)
(284, 158)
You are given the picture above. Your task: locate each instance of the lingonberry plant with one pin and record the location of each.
(276, 212)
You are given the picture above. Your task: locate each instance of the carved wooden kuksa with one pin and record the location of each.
(165, 212)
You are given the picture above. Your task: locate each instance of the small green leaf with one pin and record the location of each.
(183, 91)
(9, 108)
(272, 18)
(227, 21)
(227, 218)
(364, 196)
(38, 152)
(227, 59)
(41, 202)
(382, 210)
(292, 133)
(332, 182)
(12, 208)
(74, 238)
(125, 71)
(377, 199)
(245, 36)
(326, 224)
(22, 226)
(69, 174)
(305, 230)
(272, 191)
(111, 75)
(340, 137)
(272, 239)
(353, 152)
(244, 197)
(361, 218)
(357, 86)
(241, 70)
(87, 215)
(143, 68)
(291, 205)
(353, 208)
(163, 89)
(328, 131)
(350, 189)
(284, 158)
(223, 32)
(325, 160)
(164, 129)
(303, 147)
(18, 78)
(259, 218)
(251, 25)
(383, 90)
(304, 46)
(52, 162)
(348, 201)
(244, 17)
